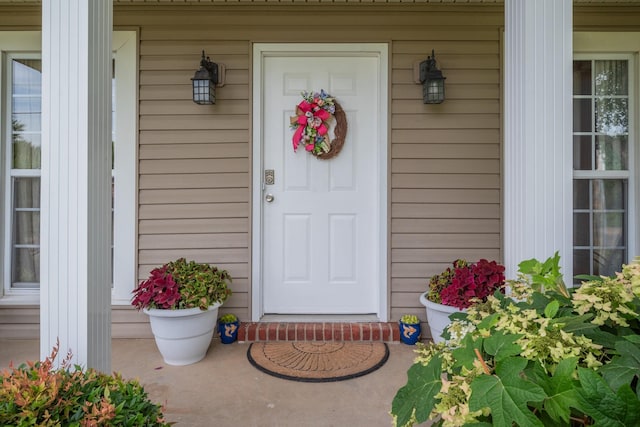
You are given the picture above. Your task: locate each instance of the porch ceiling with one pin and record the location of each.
(395, 2)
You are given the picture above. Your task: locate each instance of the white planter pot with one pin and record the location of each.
(437, 316)
(183, 336)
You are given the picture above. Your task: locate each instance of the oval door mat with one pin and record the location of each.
(317, 361)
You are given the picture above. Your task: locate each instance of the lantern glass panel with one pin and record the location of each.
(203, 91)
(433, 91)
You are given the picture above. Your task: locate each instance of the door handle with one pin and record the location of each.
(269, 198)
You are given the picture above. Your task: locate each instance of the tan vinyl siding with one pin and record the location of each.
(20, 322)
(194, 165)
(444, 160)
(445, 165)
(194, 160)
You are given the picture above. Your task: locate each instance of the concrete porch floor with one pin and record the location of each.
(225, 390)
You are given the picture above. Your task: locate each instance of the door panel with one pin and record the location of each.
(321, 231)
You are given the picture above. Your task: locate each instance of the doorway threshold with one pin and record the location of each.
(312, 318)
(334, 328)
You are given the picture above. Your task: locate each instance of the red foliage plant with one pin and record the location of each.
(471, 282)
(160, 290)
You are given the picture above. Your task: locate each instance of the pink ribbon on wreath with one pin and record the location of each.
(303, 120)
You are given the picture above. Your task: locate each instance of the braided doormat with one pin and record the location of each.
(317, 361)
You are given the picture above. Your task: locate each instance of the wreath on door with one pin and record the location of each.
(312, 122)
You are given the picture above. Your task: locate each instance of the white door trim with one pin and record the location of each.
(262, 50)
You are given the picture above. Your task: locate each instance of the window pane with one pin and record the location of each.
(609, 194)
(27, 228)
(581, 194)
(582, 152)
(612, 153)
(26, 151)
(27, 75)
(25, 235)
(581, 229)
(582, 77)
(26, 104)
(25, 267)
(608, 229)
(581, 261)
(607, 261)
(611, 78)
(26, 113)
(582, 115)
(612, 116)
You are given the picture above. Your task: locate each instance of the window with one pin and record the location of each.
(20, 92)
(22, 159)
(603, 164)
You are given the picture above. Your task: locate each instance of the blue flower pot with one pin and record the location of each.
(228, 331)
(409, 332)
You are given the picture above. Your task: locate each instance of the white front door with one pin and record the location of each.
(321, 236)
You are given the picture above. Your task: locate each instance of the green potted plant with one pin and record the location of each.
(228, 328)
(457, 288)
(182, 299)
(37, 394)
(542, 356)
(410, 330)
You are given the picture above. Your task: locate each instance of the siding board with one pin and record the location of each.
(188, 107)
(193, 165)
(433, 210)
(446, 151)
(195, 180)
(207, 195)
(195, 210)
(194, 151)
(450, 225)
(486, 166)
(414, 180)
(194, 136)
(445, 196)
(194, 241)
(193, 226)
(448, 136)
(445, 121)
(444, 241)
(452, 106)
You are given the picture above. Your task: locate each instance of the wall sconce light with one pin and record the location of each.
(204, 82)
(432, 81)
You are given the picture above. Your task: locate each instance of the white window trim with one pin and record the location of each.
(125, 222)
(125, 213)
(589, 46)
(14, 173)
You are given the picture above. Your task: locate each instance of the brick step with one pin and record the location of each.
(319, 331)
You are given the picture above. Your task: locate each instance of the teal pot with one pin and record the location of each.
(409, 332)
(228, 331)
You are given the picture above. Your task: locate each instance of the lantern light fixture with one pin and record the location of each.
(204, 82)
(432, 81)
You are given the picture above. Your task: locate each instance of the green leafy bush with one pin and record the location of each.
(35, 394)
(228, 318)
(410, 319)
(543, 356)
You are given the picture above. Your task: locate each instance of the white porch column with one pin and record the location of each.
(75, 305)
(538, 127)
